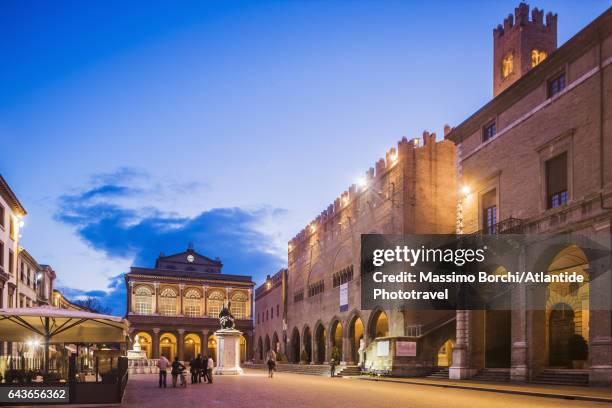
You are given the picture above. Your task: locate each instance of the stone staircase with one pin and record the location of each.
(348, 371)
(563, 377)
(321, 370)
(439, 372)
(493, 375)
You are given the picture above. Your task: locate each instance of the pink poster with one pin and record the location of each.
(405, 348)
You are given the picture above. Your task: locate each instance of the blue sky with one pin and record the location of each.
(134, 127)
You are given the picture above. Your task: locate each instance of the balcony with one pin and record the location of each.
(508, 226)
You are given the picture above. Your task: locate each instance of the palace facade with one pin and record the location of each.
(535, 159)
(173, 308)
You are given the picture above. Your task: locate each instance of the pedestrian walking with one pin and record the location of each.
(203, 369)
(271, 362)
(194, 368)
(209, 369)
(163, 364)
(332, 367)
(177, 367)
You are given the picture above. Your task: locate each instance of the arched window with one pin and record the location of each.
(537, 56)
(239, 303)
(192, 303)
(507, 66)
(215, 303)
(143, 300)
(167, 302)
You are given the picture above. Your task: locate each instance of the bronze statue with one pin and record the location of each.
(225, 317)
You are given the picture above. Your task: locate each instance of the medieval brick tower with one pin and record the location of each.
(521, 44)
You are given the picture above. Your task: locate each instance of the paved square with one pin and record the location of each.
(255, 390)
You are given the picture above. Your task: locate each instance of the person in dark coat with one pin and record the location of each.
(203, 369)
(195, 366)
(332, 367)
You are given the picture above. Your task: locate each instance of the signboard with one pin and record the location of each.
(406, 349)
(382, 349)
(344, 297)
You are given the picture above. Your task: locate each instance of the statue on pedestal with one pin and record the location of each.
(225, 317)
(361, 352)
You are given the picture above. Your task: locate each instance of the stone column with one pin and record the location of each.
(250, 307)
(181, 293)
(346, 348)
(204, 300)
(600, 322)
(130, 306)
(156, 298)
(155, 345)
(180, 347)
(249, 344)
(204, 337)
(461, 369)
(131, 332)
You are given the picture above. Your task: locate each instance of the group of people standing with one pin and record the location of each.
(200, 367)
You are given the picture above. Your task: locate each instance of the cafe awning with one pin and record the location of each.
(57, 325)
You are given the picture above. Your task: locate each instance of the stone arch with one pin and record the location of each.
(192, 346)
(335, 338)
(307, 343)
(267, 345)
(295, 345)
(356, 332)
(212, 346)
(378, 324)
(275, 343)
(143, 299)
(145, 341)
(320, 351)
(168, 345)
(260, 350)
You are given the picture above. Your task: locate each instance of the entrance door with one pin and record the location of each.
(561, 329)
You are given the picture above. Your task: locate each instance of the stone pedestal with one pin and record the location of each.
(228, 352)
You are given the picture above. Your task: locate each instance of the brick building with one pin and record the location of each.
(536, 159)
(173, 309)
(406, 193)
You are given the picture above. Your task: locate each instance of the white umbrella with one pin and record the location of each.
(54, 325)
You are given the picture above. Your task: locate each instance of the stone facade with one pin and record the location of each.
(411, 191)
(173, 309)
(545, 170)
(270, 315)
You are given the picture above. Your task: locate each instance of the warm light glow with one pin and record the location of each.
(313, 228)
(345, 200)
(537, 57)
(393, 158)
(362, 182)
(465, 190)
(507, 65)
(290, 247)
(21, 223)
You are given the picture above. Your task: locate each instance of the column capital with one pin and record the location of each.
(156, 330)
(181, 286)
(181, 331)
(132, 283)
(156, 285)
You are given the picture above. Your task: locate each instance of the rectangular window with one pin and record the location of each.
(1, 255)
(489, 212)
(556, 181)
(11, 260)
(12, 228)
(556, 85)
(488, 131)
(2, 216)
(277, 310)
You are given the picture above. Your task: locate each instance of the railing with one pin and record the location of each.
(508, 226)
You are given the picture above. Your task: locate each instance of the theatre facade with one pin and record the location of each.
(534, 160)
(173, 308)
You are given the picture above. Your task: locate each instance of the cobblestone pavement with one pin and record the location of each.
(255, 390)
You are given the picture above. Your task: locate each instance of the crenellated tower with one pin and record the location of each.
(520, 44)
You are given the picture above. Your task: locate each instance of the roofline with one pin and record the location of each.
(160, 271)
(532, 79)
(24, 252)
(9, 195)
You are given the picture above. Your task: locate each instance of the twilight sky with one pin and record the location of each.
(132, 128)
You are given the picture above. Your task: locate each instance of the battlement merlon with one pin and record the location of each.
(393, 157)
(520, 19)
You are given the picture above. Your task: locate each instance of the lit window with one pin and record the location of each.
(507, 66)
(192, 303)
(215, 303)
(488, 131)
(239, 305)
(489, 212)
(167, 302)
(556, 85)
(556, 181)
(537, 56)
